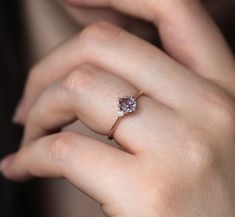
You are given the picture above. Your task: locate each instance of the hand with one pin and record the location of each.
(88, 15)
(177, 149)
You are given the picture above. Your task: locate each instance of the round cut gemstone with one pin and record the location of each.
(127, 104)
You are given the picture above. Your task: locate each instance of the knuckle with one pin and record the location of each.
(202, 157)
(226, 114)
(201, 153)
(222, 111)
(80, 80)
(62, 146)
(101, 32)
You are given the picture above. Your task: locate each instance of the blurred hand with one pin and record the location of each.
(177, 149)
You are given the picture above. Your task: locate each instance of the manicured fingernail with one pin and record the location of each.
(5, 162)
(17, 118)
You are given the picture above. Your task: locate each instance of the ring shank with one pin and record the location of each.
(111, 132)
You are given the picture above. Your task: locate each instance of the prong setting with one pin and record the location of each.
(126, 105)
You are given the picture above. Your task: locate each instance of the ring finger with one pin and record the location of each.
(91, 95)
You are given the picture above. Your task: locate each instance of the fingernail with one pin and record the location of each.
(17, 117)
(5, 162)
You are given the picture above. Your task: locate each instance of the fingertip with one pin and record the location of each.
(6, 163)
(19, 115)
(9, 171)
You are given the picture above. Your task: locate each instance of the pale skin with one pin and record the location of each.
(176, 155)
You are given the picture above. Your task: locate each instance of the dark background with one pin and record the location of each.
(16, 200)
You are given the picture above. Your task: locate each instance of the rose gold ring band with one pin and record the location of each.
(127, 105)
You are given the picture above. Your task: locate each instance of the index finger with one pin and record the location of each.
(187, 33)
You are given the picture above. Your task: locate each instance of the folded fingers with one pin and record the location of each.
(118, 52)
(91, 95)
(187, 32)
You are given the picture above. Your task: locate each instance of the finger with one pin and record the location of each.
(187, 33)
(86, 16)
(113, 49)
(90, 165)
(92, 96)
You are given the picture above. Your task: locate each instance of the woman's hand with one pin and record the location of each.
(177, 149)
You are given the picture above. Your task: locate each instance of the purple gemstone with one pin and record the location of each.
(127, 104)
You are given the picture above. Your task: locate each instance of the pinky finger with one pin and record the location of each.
(88, 164)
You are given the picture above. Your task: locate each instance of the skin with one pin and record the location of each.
(176, 155)
(87, 13)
